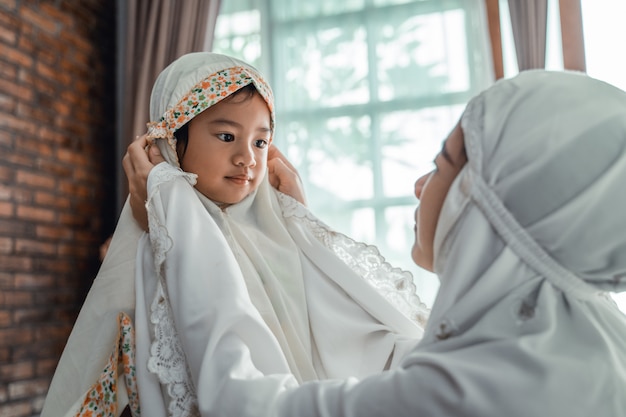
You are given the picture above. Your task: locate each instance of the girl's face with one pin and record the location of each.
(227, 148)
(431, 189)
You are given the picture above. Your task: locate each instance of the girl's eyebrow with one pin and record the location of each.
(237, 125)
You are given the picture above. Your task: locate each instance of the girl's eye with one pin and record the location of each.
(226, 137)
(260, 143)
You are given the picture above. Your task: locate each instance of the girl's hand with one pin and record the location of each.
(283, 176)
(141, 156)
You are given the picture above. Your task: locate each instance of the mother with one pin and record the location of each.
(524, 222)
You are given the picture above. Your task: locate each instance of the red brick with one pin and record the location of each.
(27, 388)
(7, 35)
(26, 45)
(46, 366)
(6, 174)
(55, 297)
(35, 213)
(42, 85)
(17, 298)
(34, 247)
(47, 199)
(38, 113)
(6, 193)
(83, 88)
(35, 146)
(16, 409)
(6, 209)
(7, 104)
(60, 333)
(33, 280)
(34, 180)
(61, 108)
(55, 168)
(74, 250)
(11, 88)
(6, 138)
(72, 219)
(71, 156)
(47, 134)
(8, 4)
(14, 228)
(15, 263)
(59, 266)
(39, 21)
(6, 245)
(11, 122)
(8, 71)
(14, 337)
(15, 55)
(5, 318)
(61, 18)
(18, 159)
(9, 21)
(69, 187)
(22, 195)
(29, 316)
(50, 73)
(54, 232)
(15, 371)
(77, 42)
(6, 280)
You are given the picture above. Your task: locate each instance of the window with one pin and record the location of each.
(365, 92)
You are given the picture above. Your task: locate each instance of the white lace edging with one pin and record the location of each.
(395, 284)
(167, 359)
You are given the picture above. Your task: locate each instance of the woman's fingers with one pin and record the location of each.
(137, 166)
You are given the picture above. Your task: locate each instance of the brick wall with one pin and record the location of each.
(56, 176)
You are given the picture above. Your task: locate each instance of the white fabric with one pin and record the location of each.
(531, 233)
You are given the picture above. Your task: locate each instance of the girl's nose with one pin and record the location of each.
(245, 156)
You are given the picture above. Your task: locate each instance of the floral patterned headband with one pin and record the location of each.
(205, 94)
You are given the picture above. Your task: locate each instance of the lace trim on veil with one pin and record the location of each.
(395, 284)
(167, 359)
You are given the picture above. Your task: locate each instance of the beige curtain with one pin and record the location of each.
(529, 22)
(152, 34)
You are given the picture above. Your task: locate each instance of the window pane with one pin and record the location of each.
(322, 65)
(421, 55)
(411, 139)
(332, 156)
(290, 9)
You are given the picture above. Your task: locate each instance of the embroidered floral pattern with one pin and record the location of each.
(205, 94)
(101, 399)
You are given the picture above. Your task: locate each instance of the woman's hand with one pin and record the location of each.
(283, 176)
(141, 156)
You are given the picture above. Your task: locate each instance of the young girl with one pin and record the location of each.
(221, 239)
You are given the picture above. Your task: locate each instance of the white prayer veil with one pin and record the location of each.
(531, 235)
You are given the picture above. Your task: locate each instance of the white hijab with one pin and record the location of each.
(531, 235)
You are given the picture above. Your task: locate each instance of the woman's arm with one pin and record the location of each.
(138, 161)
